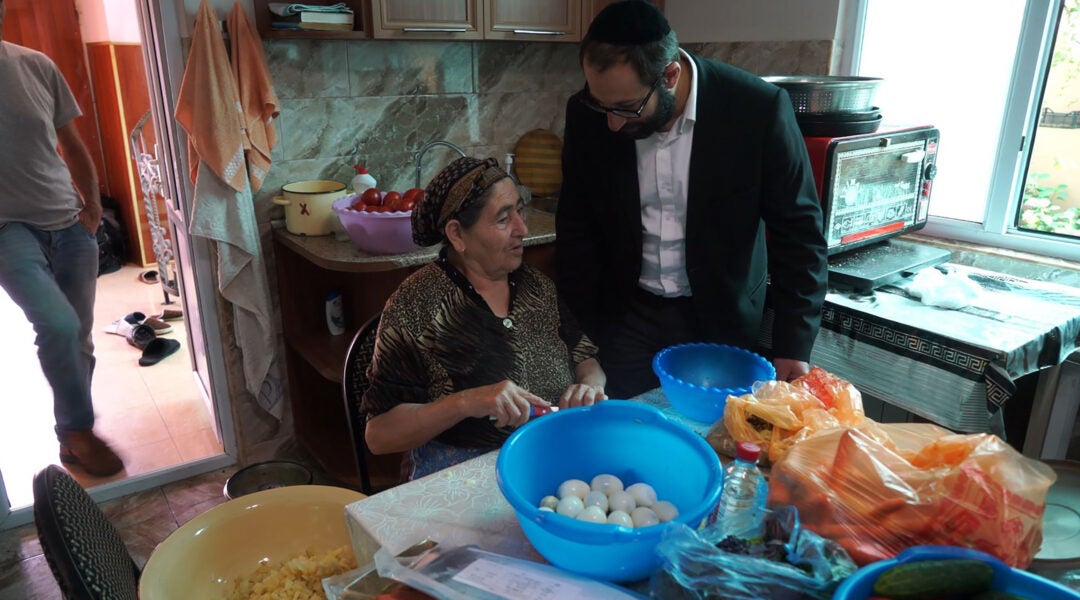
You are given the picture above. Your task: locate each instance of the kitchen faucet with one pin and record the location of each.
(428, 146)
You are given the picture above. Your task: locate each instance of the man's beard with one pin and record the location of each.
(641, 128)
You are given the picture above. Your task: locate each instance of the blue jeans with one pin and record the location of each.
(52, 276)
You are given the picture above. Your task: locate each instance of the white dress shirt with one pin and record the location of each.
(663, 166)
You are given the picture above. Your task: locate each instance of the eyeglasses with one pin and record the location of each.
(625, 113)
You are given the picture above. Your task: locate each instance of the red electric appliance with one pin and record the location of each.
(874, 187)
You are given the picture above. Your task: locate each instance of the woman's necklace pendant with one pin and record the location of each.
(507, 323)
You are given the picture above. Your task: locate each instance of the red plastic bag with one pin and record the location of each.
(926, 486)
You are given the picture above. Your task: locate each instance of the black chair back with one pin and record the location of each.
(354, 383)
(83, 549)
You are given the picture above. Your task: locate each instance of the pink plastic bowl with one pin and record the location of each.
(376, 233)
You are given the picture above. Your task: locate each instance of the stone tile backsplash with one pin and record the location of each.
(380, 101)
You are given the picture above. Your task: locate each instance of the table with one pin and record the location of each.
(957, 368)
(457, 506)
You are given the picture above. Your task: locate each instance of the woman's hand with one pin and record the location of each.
(581, 394)
(506, 402)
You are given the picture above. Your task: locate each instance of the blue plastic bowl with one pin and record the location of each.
(698, 378)
(860, 586)
(632, 441)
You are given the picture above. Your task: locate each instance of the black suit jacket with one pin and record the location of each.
(750, 183)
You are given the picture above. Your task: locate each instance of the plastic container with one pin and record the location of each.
(698, 378)
(376, 232)
(860, 586)
(335, 314)
(740, 511)
(633, 441)
(362, 180)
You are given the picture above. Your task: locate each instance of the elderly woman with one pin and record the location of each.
(469, 345)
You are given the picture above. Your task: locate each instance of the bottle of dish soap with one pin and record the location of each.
(362, 180)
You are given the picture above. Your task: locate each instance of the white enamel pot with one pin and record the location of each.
(308, 206)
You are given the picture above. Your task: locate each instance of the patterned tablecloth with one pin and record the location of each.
(954, 367)
(457, 506)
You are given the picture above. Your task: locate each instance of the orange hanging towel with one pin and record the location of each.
(208, 107)
(258, 101)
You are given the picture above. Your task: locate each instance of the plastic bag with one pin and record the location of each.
(778, 414)
(792, 563)
(927, 487)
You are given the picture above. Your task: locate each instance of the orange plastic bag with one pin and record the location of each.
(929, 487)
(778, 414)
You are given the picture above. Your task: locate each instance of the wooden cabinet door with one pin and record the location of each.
(426, 19)
(533, 20)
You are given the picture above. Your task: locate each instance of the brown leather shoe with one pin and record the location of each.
(88, 451)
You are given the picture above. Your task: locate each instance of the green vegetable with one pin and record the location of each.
(933, 578)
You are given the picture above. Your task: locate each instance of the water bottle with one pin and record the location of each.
(741, 510)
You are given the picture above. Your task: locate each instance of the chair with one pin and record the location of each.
(354, 383)
(83, 549)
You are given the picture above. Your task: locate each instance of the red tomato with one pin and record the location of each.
(392, 201)
(408, 203)
(358, 205)
(372, 197)
(415, 193)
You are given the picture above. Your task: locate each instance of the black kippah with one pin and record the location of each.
(629, 23)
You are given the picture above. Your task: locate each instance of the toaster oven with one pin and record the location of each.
(873, 186)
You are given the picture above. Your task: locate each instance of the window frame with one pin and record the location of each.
(1021, 117)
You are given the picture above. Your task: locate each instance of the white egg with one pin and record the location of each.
(643, 516)
(592, 514)
(664, 510)
(607, 484)
(570, 506)
(573, 487)
(643, 493)
(546, 509)
(549, 502)
(621, 501)
(599, 499)
(618, 517)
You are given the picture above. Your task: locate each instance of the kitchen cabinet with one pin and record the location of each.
(427, 19)
(264, 23)
(532, 20)
(309, 268)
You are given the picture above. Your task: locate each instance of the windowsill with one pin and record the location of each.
(1012, 262)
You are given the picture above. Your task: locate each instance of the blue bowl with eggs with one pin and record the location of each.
(636, 443)
(698, 378)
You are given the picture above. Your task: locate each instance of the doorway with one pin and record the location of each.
(161, 419)
(154, 416)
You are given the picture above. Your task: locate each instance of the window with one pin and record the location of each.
(1001, 81)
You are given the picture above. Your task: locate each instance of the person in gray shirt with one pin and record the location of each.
(50, 208)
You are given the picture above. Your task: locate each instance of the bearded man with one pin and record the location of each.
(687, 206)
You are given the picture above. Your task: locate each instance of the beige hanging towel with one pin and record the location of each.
(258, 101)
(208, 107)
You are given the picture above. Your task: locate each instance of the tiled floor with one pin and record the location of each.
(143, 519)
(153, 416)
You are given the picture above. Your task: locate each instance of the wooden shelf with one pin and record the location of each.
(264, 23)
(324, 352)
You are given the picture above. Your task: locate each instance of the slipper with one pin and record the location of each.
(157, 324)
(158, 349)
(150, 276)
(139, 335)
(171, 314)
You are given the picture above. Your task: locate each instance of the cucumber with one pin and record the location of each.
(933, 578)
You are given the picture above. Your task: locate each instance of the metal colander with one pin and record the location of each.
(827, 93)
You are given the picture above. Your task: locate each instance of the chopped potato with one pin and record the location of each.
(298, 578)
